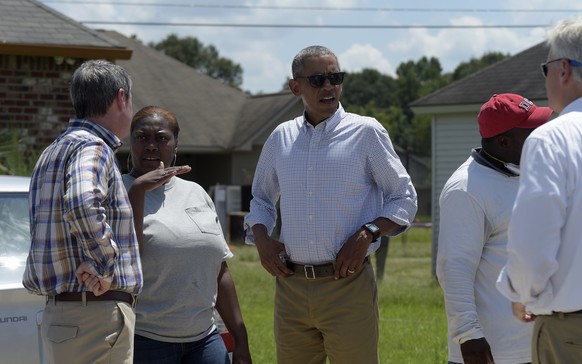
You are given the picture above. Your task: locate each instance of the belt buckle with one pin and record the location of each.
(307, 268)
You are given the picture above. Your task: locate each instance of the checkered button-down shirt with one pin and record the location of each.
(80, 211)
(330, 179)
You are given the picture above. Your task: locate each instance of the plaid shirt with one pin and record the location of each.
(80, 211)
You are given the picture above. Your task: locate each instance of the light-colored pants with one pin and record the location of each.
(98, 332)
(320, 318)
(557, 338)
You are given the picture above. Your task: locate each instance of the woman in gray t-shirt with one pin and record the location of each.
(183, 254)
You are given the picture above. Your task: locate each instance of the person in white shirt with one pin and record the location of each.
(475, 209)
(544, 263)
(340, 186)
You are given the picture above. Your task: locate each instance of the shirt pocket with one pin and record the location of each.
(206, 220)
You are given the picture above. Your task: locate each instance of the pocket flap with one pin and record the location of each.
(60, 333)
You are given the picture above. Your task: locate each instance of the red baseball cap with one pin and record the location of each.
(507, 111)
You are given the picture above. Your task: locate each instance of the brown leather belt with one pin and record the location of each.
(89, 296)
(563, 314)
(312, 271)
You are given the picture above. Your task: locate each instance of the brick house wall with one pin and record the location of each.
(34, 97)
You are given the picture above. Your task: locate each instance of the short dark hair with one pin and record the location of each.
(311, 51)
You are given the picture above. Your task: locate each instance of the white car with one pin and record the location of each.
(20, 311)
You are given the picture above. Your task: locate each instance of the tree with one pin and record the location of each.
(370, 92)
(369, 86)
(416, 79)
(206, 59)
(466, 68)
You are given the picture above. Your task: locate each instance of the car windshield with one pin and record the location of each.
(14, 237)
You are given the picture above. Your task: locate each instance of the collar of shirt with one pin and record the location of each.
(575, 105)
(486, 161)
(328, 124)
(110, 139)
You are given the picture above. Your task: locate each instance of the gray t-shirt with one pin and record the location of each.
(182, 252)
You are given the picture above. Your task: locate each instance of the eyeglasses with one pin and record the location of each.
(572, 62)
(317, 81)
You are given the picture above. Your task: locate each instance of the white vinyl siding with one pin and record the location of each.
(454, 135)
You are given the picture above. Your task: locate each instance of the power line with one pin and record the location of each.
(311, 8)
(319, 26)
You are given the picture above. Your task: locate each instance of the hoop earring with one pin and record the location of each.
(128, 163)
(173, 161)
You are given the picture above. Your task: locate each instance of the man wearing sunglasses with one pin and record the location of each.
(341, 187)
(544, 263)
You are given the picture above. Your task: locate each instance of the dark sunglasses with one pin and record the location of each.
(318, 80)
(572, 62)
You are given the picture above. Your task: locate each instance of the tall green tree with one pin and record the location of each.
(416, 79)
(367, 87)
(204, 58)
(464, 69)
(370, 92)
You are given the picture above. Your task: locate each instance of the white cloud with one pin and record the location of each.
(360, 56)
(262, 70)
(453, 46)
(266, 53)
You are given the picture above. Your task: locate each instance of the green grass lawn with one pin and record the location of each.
(412, 317)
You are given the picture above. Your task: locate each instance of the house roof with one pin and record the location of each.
(518, 74)
(252, 119)
(29, 28)
(213, 117)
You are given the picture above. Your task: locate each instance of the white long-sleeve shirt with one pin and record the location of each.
(475, 209)
(544, 265)
(330, 179)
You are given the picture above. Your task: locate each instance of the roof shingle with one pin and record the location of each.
(518, 74)
(31, 22)
(213, 117)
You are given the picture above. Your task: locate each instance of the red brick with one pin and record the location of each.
(21, 106)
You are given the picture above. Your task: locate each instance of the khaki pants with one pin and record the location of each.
(97, 332)
(557, 338)
(319, 318)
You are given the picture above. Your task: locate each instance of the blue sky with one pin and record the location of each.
(265, 54)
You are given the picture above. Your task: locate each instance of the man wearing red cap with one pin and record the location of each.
(544, 261)
(475, 209)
